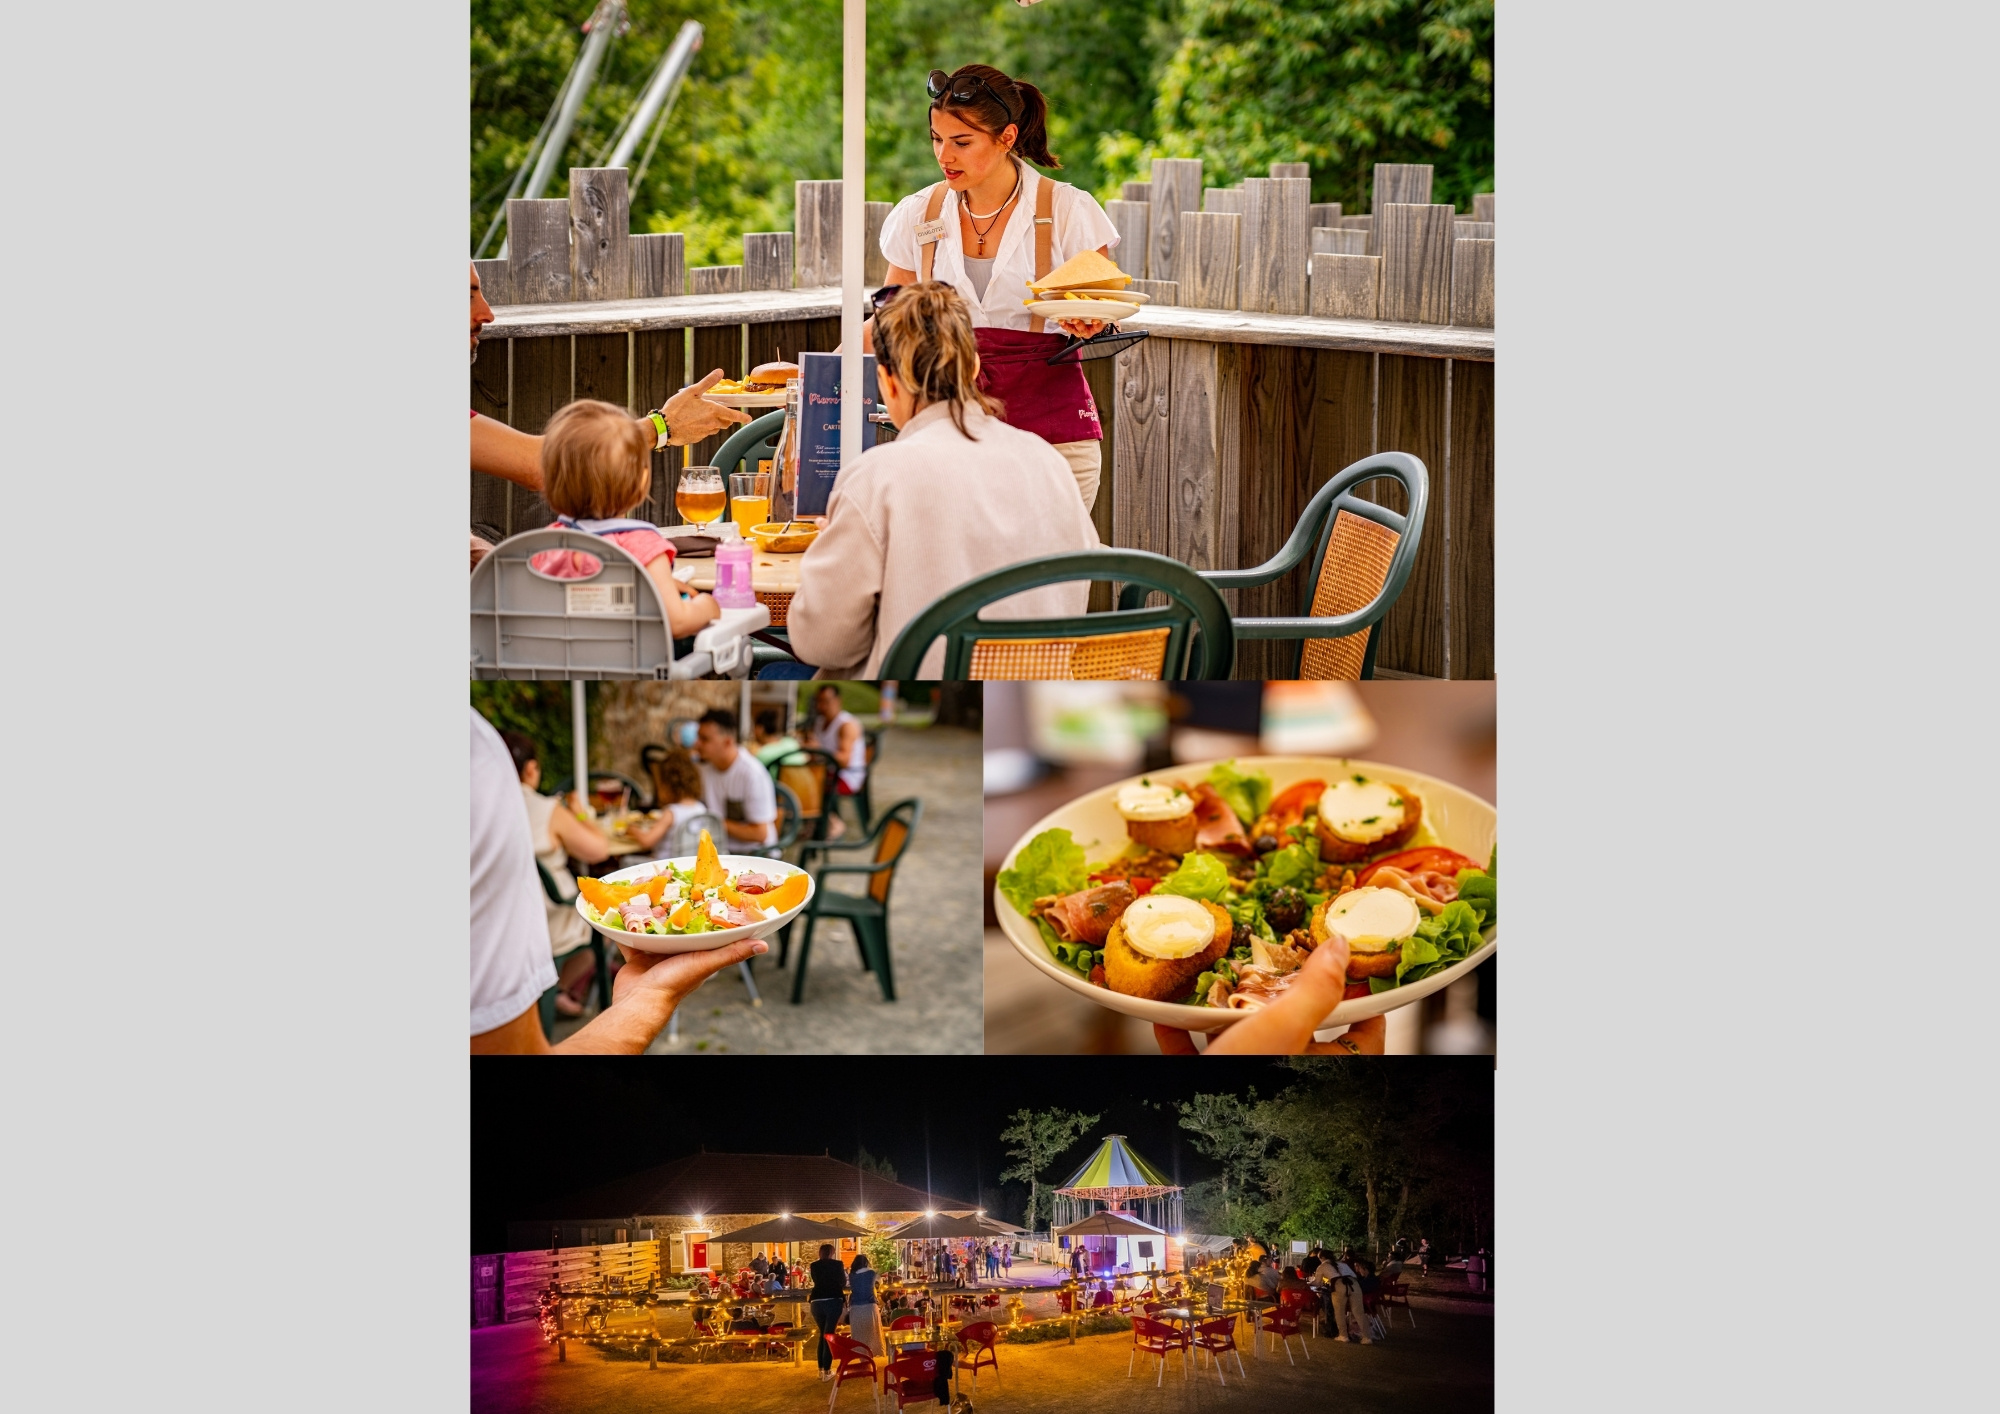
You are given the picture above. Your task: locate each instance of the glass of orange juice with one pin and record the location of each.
(749, 498)
(699, 496)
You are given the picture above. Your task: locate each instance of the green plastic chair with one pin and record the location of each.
(547, 1004)
(1199, 642)
(1362, 555)
(868, 913)
(755, 441)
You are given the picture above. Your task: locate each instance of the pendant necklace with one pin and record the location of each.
(973, 219)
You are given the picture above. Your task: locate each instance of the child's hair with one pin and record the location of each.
(997, 101)
(675, 778)
(595, 461)
(924, 337)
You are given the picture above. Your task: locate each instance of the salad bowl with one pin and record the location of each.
(775, 870)
(1453, 818)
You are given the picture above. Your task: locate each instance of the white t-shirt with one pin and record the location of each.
(1080, 225)
(511, 967)
(743, 793)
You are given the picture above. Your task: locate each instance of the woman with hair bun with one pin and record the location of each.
(988, 228)
(958, 493)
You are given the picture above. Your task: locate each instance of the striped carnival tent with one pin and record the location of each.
(1116, 1178)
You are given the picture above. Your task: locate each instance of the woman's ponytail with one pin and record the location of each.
(1033, 141)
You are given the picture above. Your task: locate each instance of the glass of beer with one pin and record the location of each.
(699, 496)
(749, 498)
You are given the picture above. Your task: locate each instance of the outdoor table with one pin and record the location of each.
(622, 844)
(774, 577)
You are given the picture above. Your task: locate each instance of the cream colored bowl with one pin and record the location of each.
(1459, 819)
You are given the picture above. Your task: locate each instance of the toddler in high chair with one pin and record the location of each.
(595, 471)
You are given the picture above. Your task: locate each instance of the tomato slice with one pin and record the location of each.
(1290, 806)
(1431, 858)
(1142, 886)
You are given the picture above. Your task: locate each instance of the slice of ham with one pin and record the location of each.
(1430, 889)
(1086, 917)
(730, 916)
(1217, 830)
(752, 883)
(1258, 987)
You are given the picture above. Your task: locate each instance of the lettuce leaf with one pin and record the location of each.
(1296, 865)
(1419, 955)
(1245, 792)
(1050, 863)
(1201, 876)
(1454, 932)
(1477, 888)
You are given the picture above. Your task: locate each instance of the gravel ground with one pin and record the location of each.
(1443, 1366)
(934, 936)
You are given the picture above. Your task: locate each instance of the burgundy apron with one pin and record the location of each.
(1051, 401)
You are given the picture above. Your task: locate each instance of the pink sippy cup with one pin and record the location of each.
(732, 575)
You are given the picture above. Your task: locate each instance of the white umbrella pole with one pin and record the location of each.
(853, 217)
(579, 725)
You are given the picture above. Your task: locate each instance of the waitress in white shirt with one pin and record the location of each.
(989, 227)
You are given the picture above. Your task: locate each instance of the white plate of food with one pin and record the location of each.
(763, 387)
(1156, 898)
(1109, 310)
(694, 904)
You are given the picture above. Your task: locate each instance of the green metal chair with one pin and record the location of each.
(1187, 637)
(867, 913)
(1362, 555)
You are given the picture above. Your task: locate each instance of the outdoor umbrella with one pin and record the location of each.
(792, 1228)
(943, 1225)
(1109, 1224)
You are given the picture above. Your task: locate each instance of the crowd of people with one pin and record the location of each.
(528, 944)
(959, 1262)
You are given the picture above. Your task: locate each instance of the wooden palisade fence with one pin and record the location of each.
(507, 1286)
(1288, 340)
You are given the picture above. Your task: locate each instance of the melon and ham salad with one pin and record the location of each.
(1345, 854)
(705, 899)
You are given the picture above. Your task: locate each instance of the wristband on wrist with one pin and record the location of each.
(660, 428)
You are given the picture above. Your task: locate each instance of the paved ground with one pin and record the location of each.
(934, 933)
(1444, 1365)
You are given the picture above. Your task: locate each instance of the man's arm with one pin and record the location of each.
(643, 997)
(749, 831)
(499, 450)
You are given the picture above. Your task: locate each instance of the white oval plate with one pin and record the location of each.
(1106, 309)
(702, 942)
(1119, 296)
(747, 400)
(1459, 819)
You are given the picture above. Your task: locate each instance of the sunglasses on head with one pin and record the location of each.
(939, 86)
(881, 298)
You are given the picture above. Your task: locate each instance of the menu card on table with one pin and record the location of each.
(819, 425)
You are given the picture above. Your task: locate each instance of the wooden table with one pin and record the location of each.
(774, 578)
(770, 573)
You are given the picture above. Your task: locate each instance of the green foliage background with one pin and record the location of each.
(1237, 83)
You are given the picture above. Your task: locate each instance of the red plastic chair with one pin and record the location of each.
(1282, 1321)
(1066, 1298)
(913, 1378)
(851, 1361)
(1392, 1296)
(1153, 1308)
(1159, 1340)
(1304, 1302)
(1218, 1337)
(982, 1338)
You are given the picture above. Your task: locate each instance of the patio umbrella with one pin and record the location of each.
(1109, 1224)
(792, 1228)
(942, 1225)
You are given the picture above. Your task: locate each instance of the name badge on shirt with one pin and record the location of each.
(929, 231)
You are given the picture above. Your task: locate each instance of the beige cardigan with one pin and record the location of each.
(917, 517)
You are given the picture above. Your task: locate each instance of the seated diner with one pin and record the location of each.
(958, 494)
